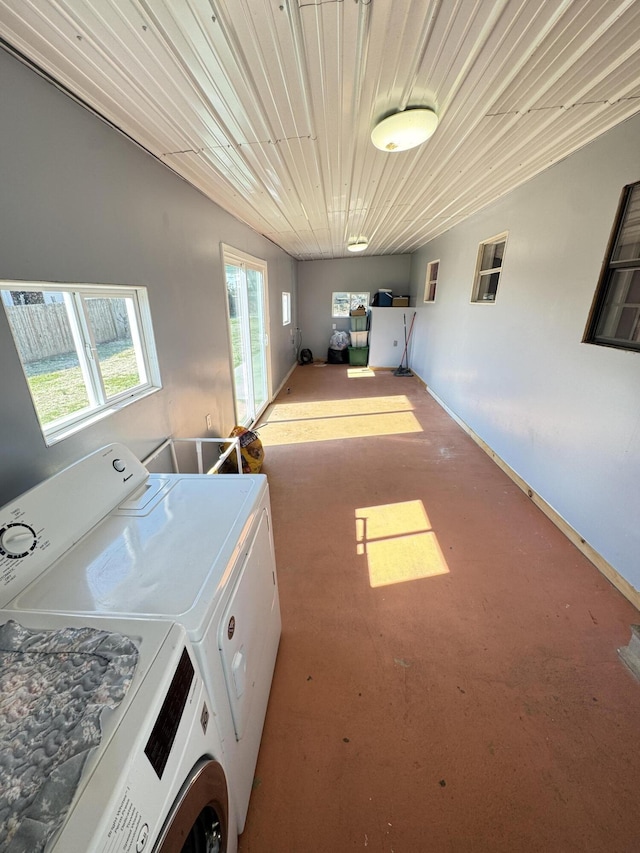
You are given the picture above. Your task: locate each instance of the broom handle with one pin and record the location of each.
(406, 342)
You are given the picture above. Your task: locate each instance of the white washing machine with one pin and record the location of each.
(155, 782)
(106, 538)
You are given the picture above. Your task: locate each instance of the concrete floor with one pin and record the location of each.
(448, 677)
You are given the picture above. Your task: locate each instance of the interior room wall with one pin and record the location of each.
(317, 280)
(563, 414)
(82, 203)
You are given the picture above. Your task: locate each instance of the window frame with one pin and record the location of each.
(431, 281)
(489, 271)
(286, 308)
(351, 295)
(607, 273)
(100, 402)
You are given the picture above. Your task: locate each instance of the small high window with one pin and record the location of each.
(431, 281)
(86, 350)
(343, 302)
(286, 308)
(488, 269)
(615, 314)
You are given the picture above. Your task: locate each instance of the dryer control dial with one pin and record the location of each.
(17, 540)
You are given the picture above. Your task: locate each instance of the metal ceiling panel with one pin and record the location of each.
(266, 106)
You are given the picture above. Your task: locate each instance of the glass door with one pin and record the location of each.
(246, 280)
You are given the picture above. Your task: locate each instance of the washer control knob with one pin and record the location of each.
(119, 465)
(17, 540)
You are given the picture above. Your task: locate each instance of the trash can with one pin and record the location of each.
(337, 356)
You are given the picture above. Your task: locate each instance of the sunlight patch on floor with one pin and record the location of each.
(359, 372)
(332, 420)
(335, 429)
(291, 411)
(399, 543)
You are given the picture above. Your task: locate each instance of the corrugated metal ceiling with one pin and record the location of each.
(267, 105)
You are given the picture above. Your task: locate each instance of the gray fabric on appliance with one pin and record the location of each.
(54, 686)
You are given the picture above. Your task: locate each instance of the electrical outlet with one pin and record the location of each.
(334, 325)
(209, 422)
(395, 343)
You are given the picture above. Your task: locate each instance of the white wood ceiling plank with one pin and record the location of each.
(59, 48)
(619, 85)
(454, 25)
(267, 105)
(459, 128)
(301, 191)
(483, 52)
(258, 206)
(570, 133)
(576, 34)
(263, 38)
(616, 55)
(327, 31)
(200, 55)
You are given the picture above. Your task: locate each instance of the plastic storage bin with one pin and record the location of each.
(358, 355)
(358, 324)
(359, 339)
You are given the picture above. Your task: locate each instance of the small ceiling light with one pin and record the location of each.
(358, 245)
(404, 130)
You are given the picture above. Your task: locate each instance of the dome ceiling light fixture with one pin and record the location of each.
(358, 245)
(404, 130)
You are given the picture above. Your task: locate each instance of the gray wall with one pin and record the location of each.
(81, 203)
(563, 414)
(318, 279)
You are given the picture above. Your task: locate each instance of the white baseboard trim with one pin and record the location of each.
(283, 383)
(620, 583)
(266, 408)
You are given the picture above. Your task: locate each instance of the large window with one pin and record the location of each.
(343, 302)
(489, 268)
(615, 315)
(86, 350)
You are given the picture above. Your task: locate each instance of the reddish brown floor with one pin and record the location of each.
(481, 708)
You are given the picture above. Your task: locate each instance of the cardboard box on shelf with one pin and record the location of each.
(400, 302)
(358, 312)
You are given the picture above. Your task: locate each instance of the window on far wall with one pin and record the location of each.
(431, 281)
(343, 302)
(488, 268)
(286, 308)
(614, 320)
(85, 349)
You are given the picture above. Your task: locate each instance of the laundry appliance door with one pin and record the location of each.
(198, 822)
(249, 631)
